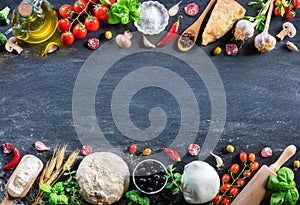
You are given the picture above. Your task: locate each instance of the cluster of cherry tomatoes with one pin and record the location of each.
(81, 17)
(285, 8)
(236, 178)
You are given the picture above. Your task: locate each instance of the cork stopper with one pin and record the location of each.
(25, 9)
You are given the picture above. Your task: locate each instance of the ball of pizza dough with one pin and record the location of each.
(200, 182)
(103, 178)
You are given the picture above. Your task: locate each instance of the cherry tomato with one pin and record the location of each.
(290, 14)
(243, 156)
(80, 7)
(226, 178)
(91, 23)
(278, 11)
(226, 200)
(251, 157)
(107, 2)
(217, 199)
(147, 151)
(90, 1)
(132, 148)
(234, 190)
(254, 166)
(240, 182)
(79, 31)
(64, 25)
(67, 38)
(235, 168)
(247, 174)
(225, 187)
(100, 11)
(296, 3)
(66, 11)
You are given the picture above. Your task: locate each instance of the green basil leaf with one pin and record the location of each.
(112, 19)
(62, 199)
(285, 175)
(45, 188)
(134, 16)
(277, 198)
(53, 199)
(59, 186)
(291, 197)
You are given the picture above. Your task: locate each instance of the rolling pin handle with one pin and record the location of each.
(287, 154)
(7, 201)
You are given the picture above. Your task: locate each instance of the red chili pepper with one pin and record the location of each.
(15, 160)
(173, 155)
(171, 34)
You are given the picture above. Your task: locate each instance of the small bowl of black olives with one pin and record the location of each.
(149, 176)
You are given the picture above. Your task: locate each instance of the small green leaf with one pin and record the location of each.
(62, 199)
(53, 199)
(45, 188)
(277, 198)
(175, 191)
(169, 185)
(59, 186)
(177, 176)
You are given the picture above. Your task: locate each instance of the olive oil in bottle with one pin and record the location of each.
(35, 22)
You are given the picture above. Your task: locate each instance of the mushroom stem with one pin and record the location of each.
(282, 34)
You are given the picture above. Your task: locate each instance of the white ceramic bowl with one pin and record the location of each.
(153, 18)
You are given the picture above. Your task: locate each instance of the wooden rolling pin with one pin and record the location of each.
(256, 189)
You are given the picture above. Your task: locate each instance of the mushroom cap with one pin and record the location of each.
(290, 28)
(122, 41)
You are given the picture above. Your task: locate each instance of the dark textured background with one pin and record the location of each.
(262, 93)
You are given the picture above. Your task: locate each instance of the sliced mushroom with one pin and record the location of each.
(123, 40)
(12, 44)
(288, 30)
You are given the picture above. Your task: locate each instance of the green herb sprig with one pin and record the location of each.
(174, 183)
(63, 192)
(135, 198)
(283, 188)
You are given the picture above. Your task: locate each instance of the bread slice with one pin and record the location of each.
(221, 20)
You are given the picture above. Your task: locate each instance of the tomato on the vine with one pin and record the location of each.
(225, 187)
(296, 4)
(66, 11)
(79, 31)
(279, 11)
(234, 190)
(290, 14)
(251, 157)
(254, 166)
(240, 182)
(226, 200)
(79, 6)
(226, 178)
(67, 38)
(217, 199)
(247, 173)
(147, 151)
(64, 25)
(235, 168)
(100, 11)
(91, 23)
(132, 148)
(243, 156)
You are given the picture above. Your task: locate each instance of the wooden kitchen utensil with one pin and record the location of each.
(255, 191)
(195, 27)
(11, 194)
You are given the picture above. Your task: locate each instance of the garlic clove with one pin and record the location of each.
(291, 46)
(147, 43)
(218, 160)
(40, 146)
(174, 9)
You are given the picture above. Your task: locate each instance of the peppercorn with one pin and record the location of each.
(297, 164)
(230, 148)
(108, 35)
(217, 50)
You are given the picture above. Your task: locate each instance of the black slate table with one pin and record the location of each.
(262, 98)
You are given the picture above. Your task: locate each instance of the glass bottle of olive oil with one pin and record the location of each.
(35, 22)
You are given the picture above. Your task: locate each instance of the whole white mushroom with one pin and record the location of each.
(200, 182)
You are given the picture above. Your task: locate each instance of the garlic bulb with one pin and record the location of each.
(244, 29)
(264, 42)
